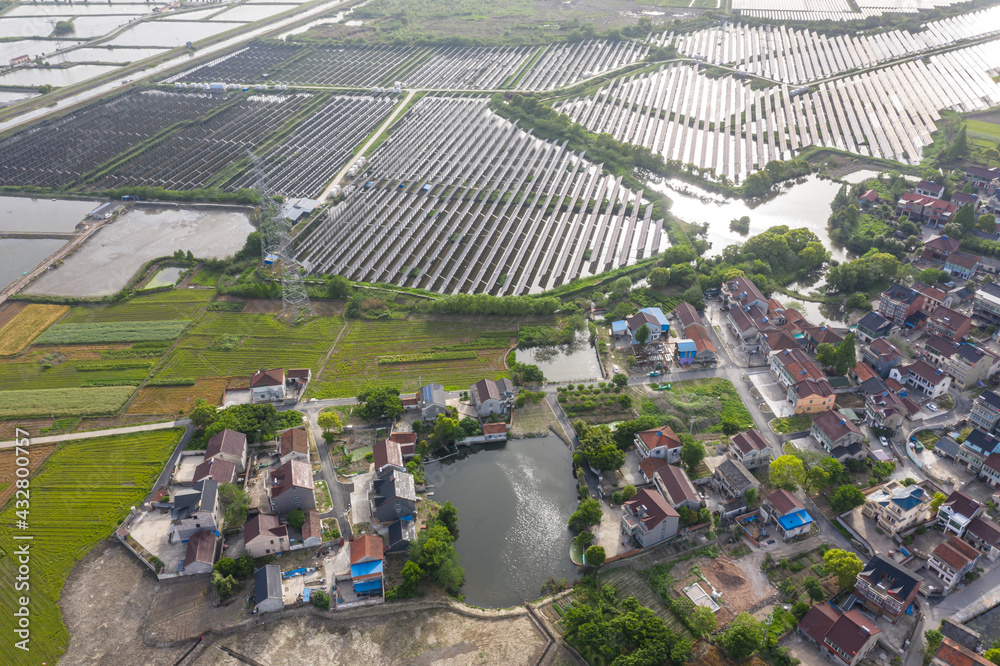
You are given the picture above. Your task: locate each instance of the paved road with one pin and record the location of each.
(101, 433)
(340, 493)
(164, 478)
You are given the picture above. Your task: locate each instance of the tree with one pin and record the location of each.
(587, 513)
(751, 496)
(659, 277)
(226, 566)
(826, 355)
(704, 515)
(703, 622)
(987, 223)
(936, 501)
(620, 288)
(628, 492)
(594, 556)
(786, 472)
(642, 334)
(234, 504)
(993, 654)
(625, 401)
(339, 288)
(833, 467)
(624, 434)
(617, 497)
(846, 498)
(845, 565)
(434, 552)
(743, 636)
(245, 566)
(741, 225)
(814, 588)
(296, 519)
(202, 414)
(966, 218)
(225, 585)
(378, 403)
(846, 355)
(412, 575)
(799, 610)
(619, 381)
(320, 599)
(730, 426)
(932, 641)
(329, 421)
(816, 479)
(605, 456)
(448, 516)
(692, 453)
(446, 430)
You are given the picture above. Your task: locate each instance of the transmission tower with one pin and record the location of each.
(275, 238)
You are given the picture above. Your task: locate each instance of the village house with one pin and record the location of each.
(938, 351)
(986, 411)
(648, 519)
(750, 448)
(673, 483)
(883, 356)
(986, 303)
(980, 177)
(888, 410)
(649, 466)
(886, 588)
(432, 402)
(838, 436)
(990, 472)
(868, 198)
(400, 534)
(654, 320)
(962, 265)
(216, 469)
(785, 510)
(740, 293)
(292, 487)
(951, 653)
(793, 366)
(873, 325)
(975, 449)
(693, 332)
(660, 443)
(933, 297)
(984, 535)
(930, 189)
(293, 444)
(267, 589)
(848, 637)
(923, 376)
(393, 497)
(971, 365)
(312, 529)
(267, 385)
(495, 432)
(949, 324)
(199, 558)
(818, 335)
(899, 303)
(926, 210)
(733, 479)
(896, 508)
(490, 396)
(811, 396)
(230, 446)
(951, 560)
(746, 325)
(264, 535)
(387, 455)
(367, 560)
(195, 509)
(778, 340)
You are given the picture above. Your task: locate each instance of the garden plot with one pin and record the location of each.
(567, 63)
(795, 56)
(465, 68)
(57, 152)
(460, 200)
(725, 127)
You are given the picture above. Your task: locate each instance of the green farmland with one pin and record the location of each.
(106, 332)
(77, 499)
(40, 403)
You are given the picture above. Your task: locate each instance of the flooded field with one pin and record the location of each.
(27, 214)
(19, 256)
(111, 257)
(170, 33)
(57, 77)
(104, 54)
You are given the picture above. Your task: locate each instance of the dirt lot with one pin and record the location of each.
(742, 587)
(431, 637)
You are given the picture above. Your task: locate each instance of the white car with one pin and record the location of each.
(932, 407)
(884, 441)
(614, 370)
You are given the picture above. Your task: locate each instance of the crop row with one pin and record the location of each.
(428, 356)
(18, 333)
(174, 304)
(41, 403)
(108, 332)
(120, 365)
(63, 375)
(78, 497)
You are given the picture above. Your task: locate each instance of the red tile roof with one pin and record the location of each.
(808, 387)
(268, 378)
(699, 336)
(817, 622)
(851, 632)
(687, 314)
(784, 502)
(955, 654)
(403, 437)
(962, 504)
(293, 474)
(993, 462)
(748, 441)
(387, 452)
(295, 440)
(200, 548)
(863, 372)
(955, 553)
(655, 505)
(927, 372)
(943, 243)
(312, 527)
(948, 319)
(657, 437)
(648, 466)
(834, 425)
(798, 364)
(494, 428)
(216, 469)
(263, 523)
(986, 530)
(408, 400)
(677, 484)
(366, 548)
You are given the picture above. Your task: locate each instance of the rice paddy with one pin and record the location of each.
(18, 333)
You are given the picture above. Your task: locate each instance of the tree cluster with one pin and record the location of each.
(485, 304)
(247, 419)
(379, 403)
(435, 556)
(875, 270)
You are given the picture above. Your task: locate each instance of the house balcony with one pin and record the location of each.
(641, 447)
(631, 524)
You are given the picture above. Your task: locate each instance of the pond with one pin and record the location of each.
(104, 54)
(167, 277)
(513, 503)
(53, 76)
(564, 363)
(802, 204)
(26, 214)
(170, 33)
(20, 255)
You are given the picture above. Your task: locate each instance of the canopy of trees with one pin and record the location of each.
(379, 403)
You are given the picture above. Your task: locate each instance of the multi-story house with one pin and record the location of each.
(838, 436)
(951, 560)
(933, 297)
(750, 448)
(740, 292)
(267, 385)
(990, 472)
(432, 401)
(927, 210)
(887, 410)
(817, 335)
(292, 487)
(811, 396)
(930, 189)
(986, 411)
(847, 637)
(962, 265)
(264, 535)
(956, 512)
(986, 304)
(873, 325)
(953, 653)
(195, 509)
(230, 446)
(648, 519)
(898, 303)
(673, 483)
(792, 366)
(883, 356)
(387, 457)
(896, 508)
(294, 445)
(949, 324)
(747, 324)
(660, 443)
(787, 512)
(490, 396)
(971, 365)
(886, 588)
(923, 376)
(393, 497)
(940, 248)
(975, 449)
(981, 176)
(938, 351)
(733, 479)
(984, 535)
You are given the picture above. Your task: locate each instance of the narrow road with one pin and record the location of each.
(53, 439)
(340, 493)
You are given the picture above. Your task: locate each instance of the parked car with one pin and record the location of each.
(884, 441)
(932, 407)
(614, 369)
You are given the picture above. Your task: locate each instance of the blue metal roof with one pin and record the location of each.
(911, 500)
(658, 313)
(306, 593)
(796, 518)
(366, 568)
(368, 585)
(686, 345)
(619, 326)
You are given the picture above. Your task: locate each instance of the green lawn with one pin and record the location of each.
(983, 129)
(77, 499)
(788, 424)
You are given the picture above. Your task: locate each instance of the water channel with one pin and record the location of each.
(513, 503)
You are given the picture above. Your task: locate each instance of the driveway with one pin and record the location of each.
(772, 393)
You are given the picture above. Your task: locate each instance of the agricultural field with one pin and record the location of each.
(236, 345)
(53, 372)
(354, 364)
(175, 400)
(41, 403)
(111, 332)
(78, 497)
(698, 405)
(163, 306)
(39, 454)
(18, 333)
